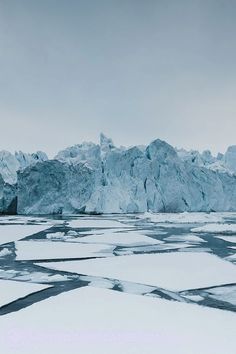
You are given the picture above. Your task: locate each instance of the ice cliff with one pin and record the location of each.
(102, 178)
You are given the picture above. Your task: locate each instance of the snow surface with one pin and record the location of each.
(101, 321)
(216, 228)
(173, 271)
(37, 250)
(28, 219)
(228, 238)
(10, 233)
(185, 218)
(93, 223)
(226, 293)
(153, 248)
(195, 298)
(5, 252)
(186, 238)
(123, 238)
(11, 290)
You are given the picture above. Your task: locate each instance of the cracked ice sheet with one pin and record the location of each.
(185, 218)
(231, 258)
(28, 219)
(226, 293)
(96, 223)
(191, 238)
(101, 321)
(10, 233)
(216, 228)
(37, 250)
(228, 238)
(153, 248)
(123, 238)
(12, 290)
(173, 271)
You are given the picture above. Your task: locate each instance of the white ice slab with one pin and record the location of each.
(185, 218)
(28, 219)
(12, 290)
(152, 248)
(226, 293)
(216, 228)
(101, 321)
(228, 238)
(123, 238)
(231, 258)
(5, 252)
(173, 271)
(186, 238)
(96, 223)
(195, 298)
(10, 233)
(33, 250)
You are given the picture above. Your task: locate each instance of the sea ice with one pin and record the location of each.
(5, 252)
(224, 293)
(11, 290)
(173, 271)
(185, 217)
(37, 250)
(95, 223)
(123, 238)
(216, 228)
(228, 238)
(101, 321)
(10, 233)
(186, 238)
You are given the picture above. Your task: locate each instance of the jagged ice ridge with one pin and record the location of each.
(102, 178)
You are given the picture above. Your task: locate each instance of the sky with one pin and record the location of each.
(135, 70)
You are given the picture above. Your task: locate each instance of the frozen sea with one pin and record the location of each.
(143, 283)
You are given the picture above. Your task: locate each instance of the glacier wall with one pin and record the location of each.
(101, 178)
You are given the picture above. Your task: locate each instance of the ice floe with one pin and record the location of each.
(11, 290)
(186, 238)
(152, 248)
(119, 238)
(101, 321)
(173, 271)
(5, 252)
(226, 293)
(37, 250)
(216, 228)
(185, 217)
(227, 238)
(10, 233)
(195, 298)
(95, 223)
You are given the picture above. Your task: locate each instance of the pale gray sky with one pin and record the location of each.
(136, 70)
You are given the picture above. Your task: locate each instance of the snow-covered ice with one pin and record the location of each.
(11, 290)
(10, 233)
(95, 223)
(101, 321)
(123, 238)
(216, 228)
(173, 271)
(226, 293)
(186, 238)
(5, 252)
(37, 250)
(185, 217)
(227, 238)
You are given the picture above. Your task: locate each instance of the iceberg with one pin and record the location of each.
(102, 178)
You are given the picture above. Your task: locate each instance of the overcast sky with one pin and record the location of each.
(135, 70)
